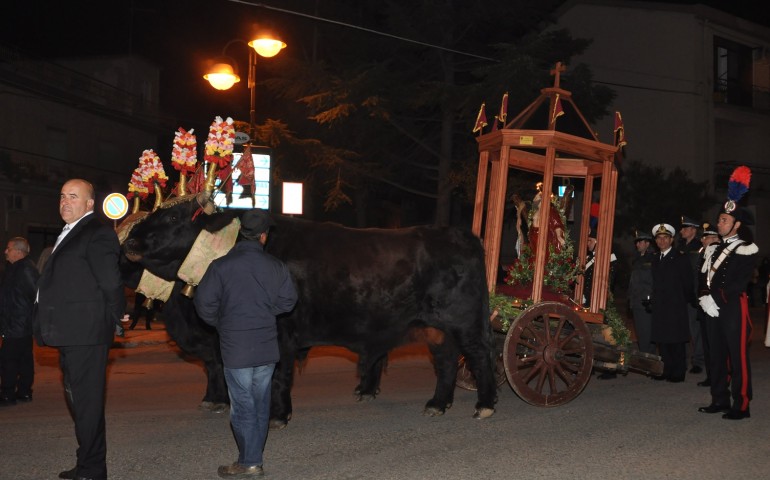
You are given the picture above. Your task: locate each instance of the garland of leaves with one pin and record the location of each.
(620, 333)
(507, 308)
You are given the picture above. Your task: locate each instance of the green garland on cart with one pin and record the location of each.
(620, 333)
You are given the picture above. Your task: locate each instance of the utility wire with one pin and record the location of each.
(369, 30)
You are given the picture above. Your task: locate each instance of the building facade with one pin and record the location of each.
(79, 118)
(693, 87)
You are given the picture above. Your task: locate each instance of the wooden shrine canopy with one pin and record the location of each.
(551, 153)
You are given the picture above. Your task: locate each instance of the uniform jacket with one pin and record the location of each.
(17, 299)
(588, 275)
(640, 283)
(240, 294)
(672, 291)
(731, 277)
(81, 296)
(693, 253)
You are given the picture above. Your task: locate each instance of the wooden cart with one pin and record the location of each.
(548, 352)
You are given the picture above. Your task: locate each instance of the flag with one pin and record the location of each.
(503, 109)
(620, 131)
(557, 110)
(494, 124)
(481, 120)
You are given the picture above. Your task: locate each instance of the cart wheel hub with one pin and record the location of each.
(553, 355)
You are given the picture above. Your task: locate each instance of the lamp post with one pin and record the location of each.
(224, 72)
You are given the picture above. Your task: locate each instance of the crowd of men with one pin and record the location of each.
(695, 292)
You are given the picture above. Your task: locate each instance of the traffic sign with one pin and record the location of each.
(115, 206)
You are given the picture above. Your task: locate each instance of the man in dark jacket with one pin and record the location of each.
(671, 293)
(691, 246)
(80, 302)
(17, 301)
(640, 291)
(241, 294)
(725, 273)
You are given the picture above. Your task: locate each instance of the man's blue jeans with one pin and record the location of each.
(249, 390)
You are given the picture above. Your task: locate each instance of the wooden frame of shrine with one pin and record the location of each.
(551, 153)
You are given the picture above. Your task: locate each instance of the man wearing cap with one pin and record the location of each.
(690, 246)
(588, 275)
(671, 292)
(640, 291)
(240, 294)
(726, 271)
(709, 236)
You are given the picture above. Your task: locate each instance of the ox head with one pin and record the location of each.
(162, 240)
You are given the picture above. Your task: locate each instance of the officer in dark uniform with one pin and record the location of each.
(709, 236)
(640, 291)
(588, 275)
(672, 291)
(726, 271)
(690, 246)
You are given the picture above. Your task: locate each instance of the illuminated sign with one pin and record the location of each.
(260, 189)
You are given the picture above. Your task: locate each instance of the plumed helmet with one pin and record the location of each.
(737, 187)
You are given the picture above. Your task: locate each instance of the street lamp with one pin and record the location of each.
(224, 72)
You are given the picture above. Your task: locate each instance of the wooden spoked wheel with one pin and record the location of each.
(465, 379)
(548, 354)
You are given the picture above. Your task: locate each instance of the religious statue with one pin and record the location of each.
(555, 238)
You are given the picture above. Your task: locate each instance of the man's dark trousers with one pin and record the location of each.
(84, 369)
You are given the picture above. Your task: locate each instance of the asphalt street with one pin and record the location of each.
(628, 428)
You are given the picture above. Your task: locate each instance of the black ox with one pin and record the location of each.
(363, 289)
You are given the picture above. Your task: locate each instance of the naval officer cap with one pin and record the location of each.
(708, 229)
(663, 229)
(689, 222)
(642, 235)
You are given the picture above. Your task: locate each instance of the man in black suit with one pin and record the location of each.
(80, 301)
(671, 293)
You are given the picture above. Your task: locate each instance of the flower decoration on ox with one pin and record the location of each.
(220, 142)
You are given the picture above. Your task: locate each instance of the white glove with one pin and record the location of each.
(709, 306)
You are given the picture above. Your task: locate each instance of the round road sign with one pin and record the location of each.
(115, 206)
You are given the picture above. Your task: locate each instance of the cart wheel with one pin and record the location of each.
(548, 354)
(465, 378)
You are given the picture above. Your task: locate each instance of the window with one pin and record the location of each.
(733, 72)
(56, 143)
(15, 202)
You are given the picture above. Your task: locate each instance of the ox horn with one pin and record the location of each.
(211, 177)
(158, 197)
(182, 186)
(136, 205)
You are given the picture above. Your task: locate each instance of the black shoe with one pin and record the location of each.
(69, 474)
(675, 379)
(714, 408)
(24, 398)
(696, 369)
(660, 378)
(607, 376)
(737, 414)
(7, 401)
(705, 383)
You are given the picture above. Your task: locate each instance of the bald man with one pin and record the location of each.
(80, 300)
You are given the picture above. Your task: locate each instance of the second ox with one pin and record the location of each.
(363, 289)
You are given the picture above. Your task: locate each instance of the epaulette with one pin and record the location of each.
(749, 249)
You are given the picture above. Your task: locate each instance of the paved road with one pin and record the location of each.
(628, 428)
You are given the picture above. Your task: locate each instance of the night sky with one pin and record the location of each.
(178, 36)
